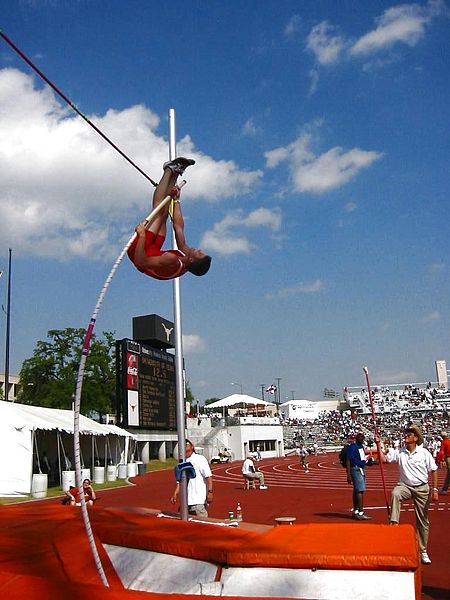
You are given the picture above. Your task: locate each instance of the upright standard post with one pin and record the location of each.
(8, 329)
(180, 406)
(375, 426)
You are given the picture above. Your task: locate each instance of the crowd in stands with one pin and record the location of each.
(409, 397)
(427, 407)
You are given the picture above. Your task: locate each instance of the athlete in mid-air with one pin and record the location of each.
(145, 251)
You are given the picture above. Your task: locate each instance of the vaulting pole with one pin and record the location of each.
(377, 438)
(72, 105)
(180, 403)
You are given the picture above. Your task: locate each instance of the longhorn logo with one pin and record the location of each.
(167, 330)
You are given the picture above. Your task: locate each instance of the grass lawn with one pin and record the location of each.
(52, 492)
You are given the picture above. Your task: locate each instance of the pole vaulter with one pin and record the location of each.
(377, 438)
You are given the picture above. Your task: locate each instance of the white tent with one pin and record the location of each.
(236, 399)
(20, 428)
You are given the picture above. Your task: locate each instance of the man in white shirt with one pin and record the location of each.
(249, 472)
(200, 487)
(415, 463)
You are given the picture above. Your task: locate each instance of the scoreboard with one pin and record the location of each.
(146, 386)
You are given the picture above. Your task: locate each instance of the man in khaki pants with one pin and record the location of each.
(415, 463)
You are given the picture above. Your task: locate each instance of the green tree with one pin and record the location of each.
(189, 394)
(211, 400)
(49, 377)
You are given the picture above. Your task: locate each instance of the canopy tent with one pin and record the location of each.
(29, 432)
(236, 399)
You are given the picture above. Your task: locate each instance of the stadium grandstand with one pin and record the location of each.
(395, 406)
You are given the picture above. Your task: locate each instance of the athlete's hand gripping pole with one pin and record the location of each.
(149, 218)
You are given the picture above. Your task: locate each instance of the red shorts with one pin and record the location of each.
(153, 244)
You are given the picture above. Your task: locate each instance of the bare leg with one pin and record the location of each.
(168, 180)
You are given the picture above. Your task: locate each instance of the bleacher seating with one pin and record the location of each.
(395, 407)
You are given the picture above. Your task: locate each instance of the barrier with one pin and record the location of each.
(111, 473)
(142, 468)
(39, 485)
(67, 480)
(122, 472)
(132, 469)
(85, 474)
(99, 474)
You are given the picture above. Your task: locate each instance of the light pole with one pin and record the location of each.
(239, 384)
(263, 387)
(278, 379)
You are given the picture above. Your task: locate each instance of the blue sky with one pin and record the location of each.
(321, 189)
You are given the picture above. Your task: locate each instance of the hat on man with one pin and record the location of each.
(416, 431)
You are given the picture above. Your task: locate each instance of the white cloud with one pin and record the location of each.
(250, 128)
(400, 24)
(318, 174)
(193, 343)
(405, 23)
(71, 193)
(432, 316)
(312, 287)
(437, 268)
(350, 207)
(223, 239)
(326, 43)
(293, 26)
(314, 77)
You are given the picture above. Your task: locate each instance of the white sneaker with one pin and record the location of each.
(307, 471)
(426, 560)
(263, 487)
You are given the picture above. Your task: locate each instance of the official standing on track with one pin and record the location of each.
(443, 457)
(200, 487)
(415, 463)
(356, 463)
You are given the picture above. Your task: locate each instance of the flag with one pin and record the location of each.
(271, 389)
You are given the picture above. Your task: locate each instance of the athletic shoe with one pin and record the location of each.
(362, 517)
(426, 560)
(179, 165)
(263, 487)
(443, 492)
(307, 471)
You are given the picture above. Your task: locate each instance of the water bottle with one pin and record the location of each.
(238, 512)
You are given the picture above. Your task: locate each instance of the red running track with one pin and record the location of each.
(321, 496)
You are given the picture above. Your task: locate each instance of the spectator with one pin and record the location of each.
(249, 472)
(73, 495)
